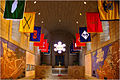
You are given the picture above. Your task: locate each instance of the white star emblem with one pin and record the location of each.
(59, 47)
(85, 35)
(14, 6)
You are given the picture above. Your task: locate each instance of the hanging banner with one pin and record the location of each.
(47, 53)
(27, 24)
(36, 43)
(78, 43)
(35, 36)
(44, 44)
(75, 46)
(73, 51)
(93, 23)
(41, 40)
(14, 9)
(109, 10)
(84, 35)
(46, 48)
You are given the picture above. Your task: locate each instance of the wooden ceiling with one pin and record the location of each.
(67, 11)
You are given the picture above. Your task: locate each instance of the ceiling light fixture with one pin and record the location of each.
(80, 14)
(34, 2)
(38, 13)
(59, 20)
(76, 22)
(84, 2)
(42, 22)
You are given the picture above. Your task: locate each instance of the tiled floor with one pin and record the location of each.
(57, 77)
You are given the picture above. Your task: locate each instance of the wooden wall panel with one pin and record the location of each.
(42, 72)
(30, 59)
(38, 55)
(2, 5)
(4, 27)
(78, 72)
(88, 63)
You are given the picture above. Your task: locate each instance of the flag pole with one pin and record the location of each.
(41, 26)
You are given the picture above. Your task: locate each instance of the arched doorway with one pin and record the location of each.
(59, 60)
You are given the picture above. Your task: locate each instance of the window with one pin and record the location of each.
(88, 46)
(105, 35)
(31, 46)
(28, 67)
(16, 35)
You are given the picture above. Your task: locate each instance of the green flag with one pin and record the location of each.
(14, 9)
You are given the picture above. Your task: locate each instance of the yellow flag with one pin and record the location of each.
(108, 10)
(27, 23)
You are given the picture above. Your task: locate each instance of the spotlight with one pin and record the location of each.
(34, 2)
(84, 2)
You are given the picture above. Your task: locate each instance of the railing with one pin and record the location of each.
(59, 71)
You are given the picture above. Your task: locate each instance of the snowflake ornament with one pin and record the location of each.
(59, 47)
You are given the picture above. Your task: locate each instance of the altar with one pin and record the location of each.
(77, 72)
(59, 70)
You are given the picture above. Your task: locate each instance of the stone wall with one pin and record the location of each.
(96, 44)
(11, 34)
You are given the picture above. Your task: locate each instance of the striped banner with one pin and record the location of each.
(108, 9)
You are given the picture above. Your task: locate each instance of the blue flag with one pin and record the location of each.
(47, 53)
(84, 35)
(72, 50)
(35, 36)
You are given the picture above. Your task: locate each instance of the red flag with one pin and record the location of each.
(75, 47)
(46, 49)
(78, 43)
(41, 40)
(93, 22)
(44, 44)
(36, 43)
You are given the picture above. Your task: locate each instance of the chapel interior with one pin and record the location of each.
(60, 21)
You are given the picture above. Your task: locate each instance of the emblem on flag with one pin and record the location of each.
(14, 9)
(46, 48)
(75, 47)
(44, 44)
(47, 53)
(107, 6)
(73, 50)
(27, 24)
(35, 36)
(84, 35)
